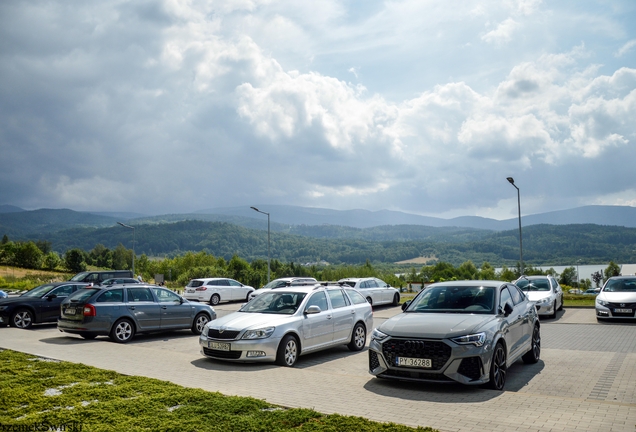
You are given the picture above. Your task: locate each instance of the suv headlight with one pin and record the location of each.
(476, 339)
(259, 333)
(601, 302)
(378, 336)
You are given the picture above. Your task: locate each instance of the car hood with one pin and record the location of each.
(618, 297)
(434, 325)
(13, 300)
(537, 295)
(245, 320)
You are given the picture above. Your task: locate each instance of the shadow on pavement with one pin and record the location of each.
(140, 338)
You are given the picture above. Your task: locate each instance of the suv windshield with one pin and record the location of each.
(79, 277)
(455, 299)
(533, 284)
(275, 303)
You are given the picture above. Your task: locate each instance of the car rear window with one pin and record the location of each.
(195, 283)
(83, 294)
(356, 297)
(111, 296)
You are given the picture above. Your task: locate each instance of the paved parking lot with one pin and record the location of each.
(585, 381)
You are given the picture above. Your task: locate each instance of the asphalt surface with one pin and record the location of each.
(585, 381)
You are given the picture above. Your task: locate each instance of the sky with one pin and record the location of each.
(419, 106)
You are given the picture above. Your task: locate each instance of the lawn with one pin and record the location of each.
(44, 394)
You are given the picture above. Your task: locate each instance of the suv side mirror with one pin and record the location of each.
(507, 309)
(51, 297)
(406, 304)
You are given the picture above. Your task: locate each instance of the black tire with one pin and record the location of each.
(534, 354)
(199, 323)
(288, 351)
(554, 310)
(247, 297)
(358, 338)
(123, 331)
(396, 299)
(215, 299)
(370, 301)
(561, 305)
(22, 318)
(498, 368)
(88, 336)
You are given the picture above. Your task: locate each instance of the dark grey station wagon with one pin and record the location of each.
(121, 311)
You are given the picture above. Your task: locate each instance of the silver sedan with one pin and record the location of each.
(280, 325)
(465, 331)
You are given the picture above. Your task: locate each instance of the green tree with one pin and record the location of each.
(44, 246)
(506, 274)
(28, 255)
(101, 256)
(75, 261)
(467, 271)
(612, 269)
(5, 239)
(487, 272)
(51, 261)
(122, 258)
(568, 276)
(597, 277)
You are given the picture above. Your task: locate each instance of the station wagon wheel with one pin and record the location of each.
(358, 338)
(287, 353)
(22, 318)
(533, 355)
(123, 331)
(199, 323)
(498, 368)
(215, 299)
(396, 299)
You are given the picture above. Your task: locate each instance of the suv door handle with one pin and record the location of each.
(131, 307)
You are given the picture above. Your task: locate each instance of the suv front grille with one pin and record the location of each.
(437, 351)
(471, 367)
(226, 334)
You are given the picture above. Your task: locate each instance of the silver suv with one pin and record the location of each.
(282, 324)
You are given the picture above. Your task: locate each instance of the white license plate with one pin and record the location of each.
(623, 310)
(414, 362)
(190, 291)
(69, 311)
(219, 346)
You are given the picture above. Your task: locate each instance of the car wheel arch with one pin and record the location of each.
(29, 308)
(298, 340)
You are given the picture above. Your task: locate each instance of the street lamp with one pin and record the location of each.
(133, 258)
(512, 182)
(578, 275)
(255, 209)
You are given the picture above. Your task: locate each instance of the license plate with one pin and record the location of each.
(69, 311)
(219, 346)
(623, 310)
(413, 362)
(190, 291)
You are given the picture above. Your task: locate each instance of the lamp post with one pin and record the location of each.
(512, 182)
(133, 257)
(268, 270)
(578, 275)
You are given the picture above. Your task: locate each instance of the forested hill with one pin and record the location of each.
(543, 244)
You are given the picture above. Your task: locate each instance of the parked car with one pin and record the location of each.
(39, 305)
(96, 277)
(215, 290)
(3, 294)
(617, 298)
(544, 291)
(376, 291)
(283, 324)
(592, 291)
(123, 311)
(463, 331)
(120, 281)
(283, 282)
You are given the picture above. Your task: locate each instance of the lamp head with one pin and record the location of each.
(511, 180)
(254, 208)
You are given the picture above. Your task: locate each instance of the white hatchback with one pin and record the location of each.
(376, 291)
(215, 290)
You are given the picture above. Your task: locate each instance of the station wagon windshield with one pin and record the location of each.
(455, 299)
(286, 303)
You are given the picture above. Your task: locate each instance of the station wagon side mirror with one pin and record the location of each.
(313, 309)
(406, 304)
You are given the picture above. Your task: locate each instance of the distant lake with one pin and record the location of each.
(585, 270)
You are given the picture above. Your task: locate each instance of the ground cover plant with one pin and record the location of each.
(46, 394)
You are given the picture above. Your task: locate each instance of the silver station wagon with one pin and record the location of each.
(282, 324)
(121, 311)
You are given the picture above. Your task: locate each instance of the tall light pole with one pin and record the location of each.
(255, 209)
(578, 275)
(133, 260)
(512, 182)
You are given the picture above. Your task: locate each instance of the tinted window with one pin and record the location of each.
(454, 299)
(38, 291)
(234, 283)
(166, 296)
(505, 297)
(517, 297)
(372, 283)
(139, 294)
(63, 291)
(219, 282)
(195, 283)
(83, 294)
(319, 299)
(356, 297)
(79, 277)
(111, 296)
(337, 298)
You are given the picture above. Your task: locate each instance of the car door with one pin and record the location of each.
(525, 309)
(385, 290)
(222, 288)
(317, 328)
(343, 315)
(237, 290)
(512, 329)
(49, 306)
(174, 313)
(143, 308)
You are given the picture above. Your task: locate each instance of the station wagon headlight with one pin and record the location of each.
(477, 339)
(259, 333)
(378, 336)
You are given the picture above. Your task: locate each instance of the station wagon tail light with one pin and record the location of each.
(201, 288)
(89, 310)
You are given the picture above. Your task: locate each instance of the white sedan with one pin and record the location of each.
(376, 291)
(215, 290)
